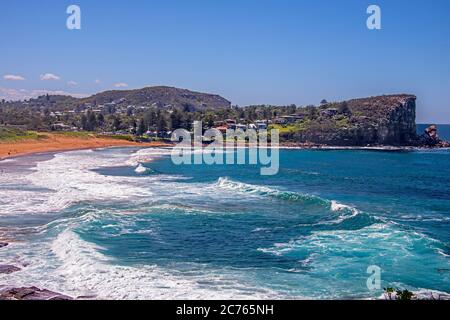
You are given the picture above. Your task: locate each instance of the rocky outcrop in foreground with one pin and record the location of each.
(7, 269)
(418, 295)
(31, 293)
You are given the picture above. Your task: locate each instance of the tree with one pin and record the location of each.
(208, 120)
(324, 101)
(404, 295)
(311, 112)
(187, 122)
(343, 108)
(161, 124)
(175, 120)
(100, 119)
(91, 121)
(83, 122)
(116, 123)
(141, 127)
(150, 118)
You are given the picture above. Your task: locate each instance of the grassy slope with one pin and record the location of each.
(14, 135)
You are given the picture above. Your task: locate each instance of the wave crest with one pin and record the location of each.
(229, 184)
(346, 211)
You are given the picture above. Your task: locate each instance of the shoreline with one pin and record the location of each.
(58, 143)
(61, 143)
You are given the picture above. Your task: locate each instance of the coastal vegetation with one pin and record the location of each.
(15, 135)
(152, 113)
(391, 293)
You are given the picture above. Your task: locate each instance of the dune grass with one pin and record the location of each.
(16, 135)
(75, 134)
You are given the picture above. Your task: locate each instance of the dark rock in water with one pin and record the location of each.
(3, 244)
(8, 269)
(430, 138)
(31, 293)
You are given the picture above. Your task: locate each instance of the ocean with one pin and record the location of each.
(126, 223)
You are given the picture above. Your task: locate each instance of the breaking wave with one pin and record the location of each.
(228, 184)
(346, 211)
(82, 265)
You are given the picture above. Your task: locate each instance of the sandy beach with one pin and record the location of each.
(57, 142)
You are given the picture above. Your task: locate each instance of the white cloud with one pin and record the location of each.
(121, 85)
(72, 83)
(23, 94)
(97, 81)
(49, 76)
(13, 77)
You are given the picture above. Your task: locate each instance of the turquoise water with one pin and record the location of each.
(123, 223)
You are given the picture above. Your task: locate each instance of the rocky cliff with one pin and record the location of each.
(392, 119)
(382, 120)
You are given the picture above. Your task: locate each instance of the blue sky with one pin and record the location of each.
(249, 51)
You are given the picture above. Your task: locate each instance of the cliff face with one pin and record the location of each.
(383, 120)
(398, 124)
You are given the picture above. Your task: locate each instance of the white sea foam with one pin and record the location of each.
(347, 212)
(259, 190)
(66, 179)
(140, 169)
(78, 268)
(381, 243)
(7, 161)
(146, 155)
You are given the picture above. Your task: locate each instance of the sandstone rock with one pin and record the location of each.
(31, 293)
(383, 120)
(431, 131)
(430, 138)
(7, 269)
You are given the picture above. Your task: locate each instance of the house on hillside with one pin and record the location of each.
(261, 125)
(330, 112)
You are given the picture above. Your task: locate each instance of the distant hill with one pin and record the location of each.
(160, 97)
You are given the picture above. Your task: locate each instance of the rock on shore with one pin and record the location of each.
(30, 293)
(7, 269)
